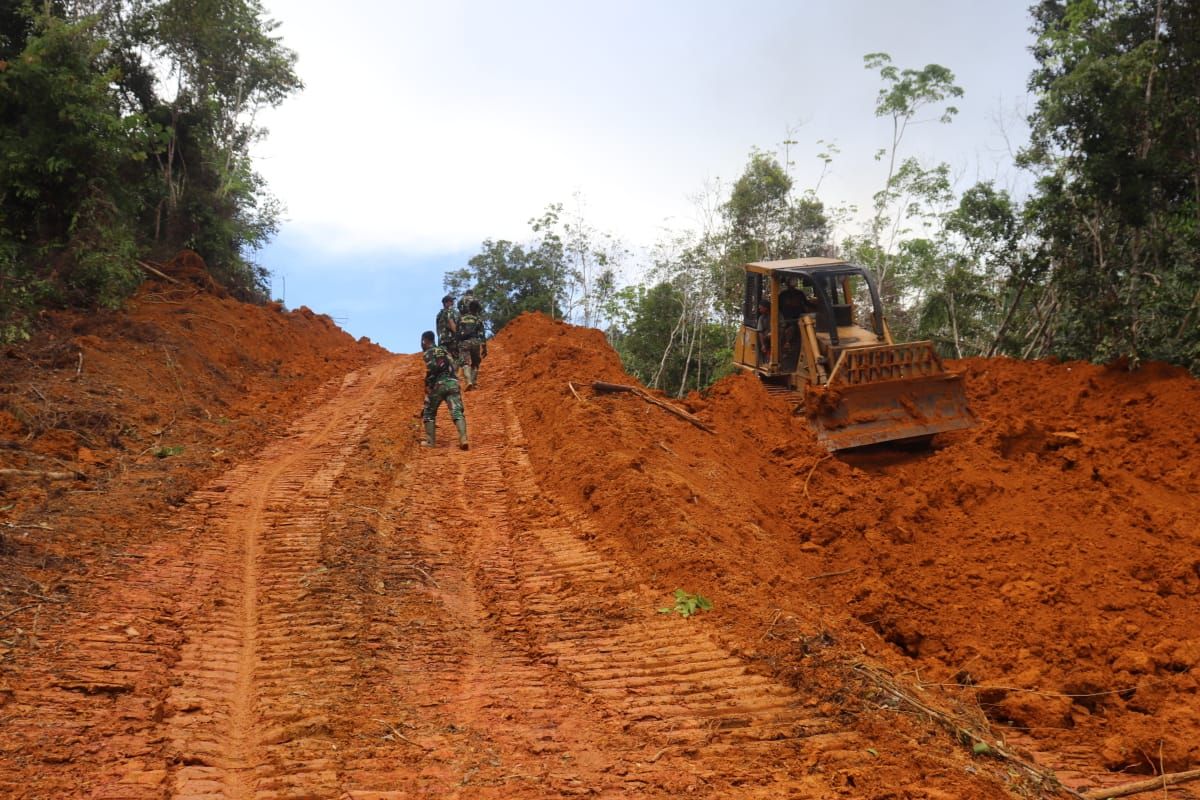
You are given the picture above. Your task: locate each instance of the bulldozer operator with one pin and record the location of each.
(793, 304)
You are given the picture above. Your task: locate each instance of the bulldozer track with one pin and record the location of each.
(482, 647)
(348, 616)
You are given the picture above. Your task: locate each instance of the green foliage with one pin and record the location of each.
(166, 451)
(687, 605)
(567, 270)
(105, 155)
(509, 279)
(910, 191)
(653, 343)
(1115, 143)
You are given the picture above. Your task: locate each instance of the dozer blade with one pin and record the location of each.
(887, 392)
(862, 414)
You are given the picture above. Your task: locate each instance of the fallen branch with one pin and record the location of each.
(392, 729)
(601, 386)
(426, 575)
(771, 627)
(160, 273)
(811, 471)
(1157, 782)
(964, 734)
(35, 473)
(15, 610)
(828, 574)
(41, 526)
(372, 510)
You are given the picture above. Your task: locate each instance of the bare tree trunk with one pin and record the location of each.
(667, 350)
(1008, 317)
(954, 325)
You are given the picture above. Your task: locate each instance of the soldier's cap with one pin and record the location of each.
(448, 298)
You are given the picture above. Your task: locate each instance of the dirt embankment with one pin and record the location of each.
(1041, 568)
(1044, 565)
(109, 418)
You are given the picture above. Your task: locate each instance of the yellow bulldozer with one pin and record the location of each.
(805, 334)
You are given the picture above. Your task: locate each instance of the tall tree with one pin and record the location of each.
(905, 94)
(1116, 142)
(125, 129)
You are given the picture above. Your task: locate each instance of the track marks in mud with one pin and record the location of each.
(668, 679)
(476, 643)
(250, 715)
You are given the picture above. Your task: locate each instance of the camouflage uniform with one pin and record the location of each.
(447, 337)
(442, 385)
(471, 345)
(464, 302)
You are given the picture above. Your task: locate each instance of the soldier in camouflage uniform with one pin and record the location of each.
(472, 342)
(441, 384)
(447, 326)
(464, 302)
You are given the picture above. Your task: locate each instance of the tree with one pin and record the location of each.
(69, 166)
(904, 94)
(105, 156)
(1116, 144)
(226, 67)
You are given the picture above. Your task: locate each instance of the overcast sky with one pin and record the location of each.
(426, 127)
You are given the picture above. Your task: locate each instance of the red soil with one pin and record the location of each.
(1041, 568)
(1044, 564)
(143, 405)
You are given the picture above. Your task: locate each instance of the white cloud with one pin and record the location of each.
(430, 126)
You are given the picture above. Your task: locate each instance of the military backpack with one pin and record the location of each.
(470, 327)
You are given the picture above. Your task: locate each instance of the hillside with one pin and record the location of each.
(252, 582)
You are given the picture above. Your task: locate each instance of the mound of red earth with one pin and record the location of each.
(1034, 580)
(109, 418)
(1044, 565)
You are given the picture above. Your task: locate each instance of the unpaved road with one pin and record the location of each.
(347, 615)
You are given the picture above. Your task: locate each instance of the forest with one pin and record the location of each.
(125, 133)
(1100, 262)
(126, 129)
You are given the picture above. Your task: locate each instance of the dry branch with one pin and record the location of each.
(36, 473)
(828, 574)
(965, 734)
(154, 271)
(816, 464)
(601, 386)
(1157, 782)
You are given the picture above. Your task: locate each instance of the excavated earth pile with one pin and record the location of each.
(252, 583)
(1043, 567)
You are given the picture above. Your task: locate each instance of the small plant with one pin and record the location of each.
(687, 604)
(167, 451)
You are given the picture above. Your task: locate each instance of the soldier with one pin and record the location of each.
(447, 325)
(472, 342)
(441, 384)
(464, 302)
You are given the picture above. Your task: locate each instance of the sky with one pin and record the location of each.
(426, 127)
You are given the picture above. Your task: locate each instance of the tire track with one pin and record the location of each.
(524, 692)
(250, 716)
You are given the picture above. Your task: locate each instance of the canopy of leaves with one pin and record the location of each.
(126, 132)
(1116, 141)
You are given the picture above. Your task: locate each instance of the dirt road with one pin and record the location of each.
(347, 615)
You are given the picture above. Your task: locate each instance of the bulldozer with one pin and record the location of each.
(806, 334)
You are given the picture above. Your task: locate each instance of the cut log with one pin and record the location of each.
(1150, 784)
(155, 271)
